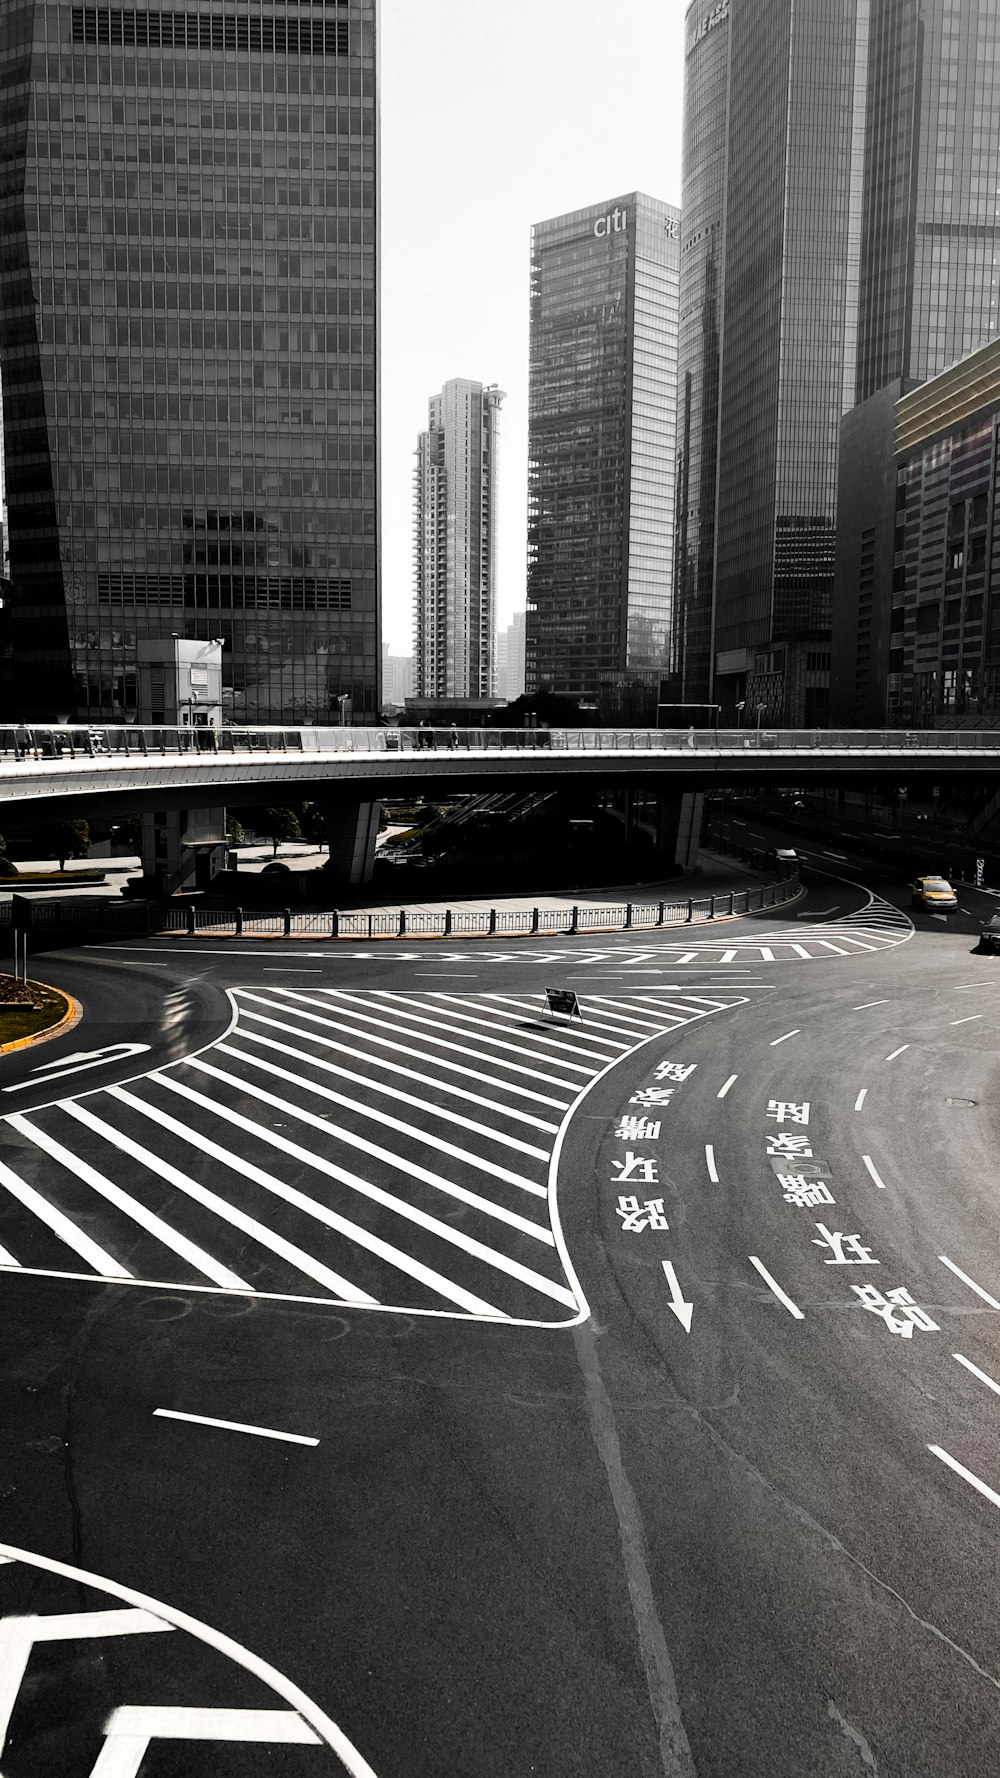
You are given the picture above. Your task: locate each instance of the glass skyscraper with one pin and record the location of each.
(853, 156)
(188, 351)
(601, 445)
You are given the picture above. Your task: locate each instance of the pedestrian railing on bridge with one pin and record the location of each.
(130, 742)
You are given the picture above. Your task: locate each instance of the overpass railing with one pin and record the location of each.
(130, 742)
(62, 921)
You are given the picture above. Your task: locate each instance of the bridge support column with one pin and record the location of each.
(182, 848)
(678, 828)
(352, 828)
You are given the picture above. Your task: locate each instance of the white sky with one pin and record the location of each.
(497, 114)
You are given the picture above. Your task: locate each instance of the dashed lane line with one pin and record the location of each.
(971, 1282)
(970, 1019)
(899, 1052)
(796, 1033)
(288, 1438)
(866, 1005)
(733, 1078)
(967, 1475)
(776, 1289)
(713, 1171)
(859, 1101)
(974, 1368)
(869, 1164)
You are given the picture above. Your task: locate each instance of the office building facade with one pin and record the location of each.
(188, 352)
(860, 149)
(510, 659)
(917, 620)
(455, 543)
(601, 445)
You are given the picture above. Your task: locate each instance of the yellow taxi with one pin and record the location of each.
(935, 894)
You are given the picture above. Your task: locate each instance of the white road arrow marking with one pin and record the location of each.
(79, 1060)
(683, 1311)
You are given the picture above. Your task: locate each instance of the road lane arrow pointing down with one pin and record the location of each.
(683, 1311)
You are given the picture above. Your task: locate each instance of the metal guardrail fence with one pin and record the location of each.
(69, 743)
(191, 919)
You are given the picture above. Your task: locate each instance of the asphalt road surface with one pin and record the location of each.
(400, 1381)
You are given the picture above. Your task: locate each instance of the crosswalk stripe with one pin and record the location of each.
(248, 1225)
(468, 1157)
(362, 1237)
(626, 1017)
(404, 1049)
(402, 1163)
(147, 1219)
(344, 1004)
(530, 1005)
(409, 1212)
(61, 1226)
(444, 1112)
(429, 1080)
(520, 1049)
(503, 1020)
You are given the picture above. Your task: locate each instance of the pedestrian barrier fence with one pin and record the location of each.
(191, 919)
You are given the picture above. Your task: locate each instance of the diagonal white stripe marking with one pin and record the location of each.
(490, 1256)
(404, 1049)
(625, 1018)
(397, 1094)
(499, 1020)
(772, 1285)
(286, 1438)
(394, 1256)
(401, 1162)
(248, 1225)
(530, 1008)
(61, 1226)
(348, 1005)
(385, 1120)
(146, 1219)
(945, 1261)
(449, 1021)
(974, 1368)
(394, 1069)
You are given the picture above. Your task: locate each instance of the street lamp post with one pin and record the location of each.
(760, 711)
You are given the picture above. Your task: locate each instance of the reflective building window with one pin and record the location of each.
(188, 301)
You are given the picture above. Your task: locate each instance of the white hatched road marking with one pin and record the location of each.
(389, 1256)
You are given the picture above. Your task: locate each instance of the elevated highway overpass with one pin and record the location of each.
(53, 772)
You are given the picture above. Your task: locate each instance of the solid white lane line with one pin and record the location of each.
(733, 1078)
(895, 1053)
(841, 857)
(288, 1438)
(713, 1171)
(391, 1068)
(966, 1474)
(776, 1288)
(401, 1163)
(970, 1020)
(445, 1023)
(974, 1368)
(865, 1004)
(248, 1225)
(61, 1226)
(289, 969)
(444, 1231)
(404, 1049)
(945, 1261)
(796, 1033)
(350, 1007)
(862, 1096)
(131, 1207)
(867, 1159)
(436, 1112)
(384, 1119)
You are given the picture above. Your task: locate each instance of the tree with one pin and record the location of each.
(278, 825)
(7, 866)
(70, 839)
(234, 831)
(312, 820)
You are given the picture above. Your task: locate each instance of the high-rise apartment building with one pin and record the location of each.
(847, 159)
(188, 352)
(601, 445)
(455, 542)
(510, 659)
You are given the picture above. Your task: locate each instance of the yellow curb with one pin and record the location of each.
(71, 1017)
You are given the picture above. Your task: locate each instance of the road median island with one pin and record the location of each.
(32, 1012)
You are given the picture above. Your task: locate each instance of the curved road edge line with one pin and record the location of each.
(71, 1017)
(555, 1221)
(328, 1732)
